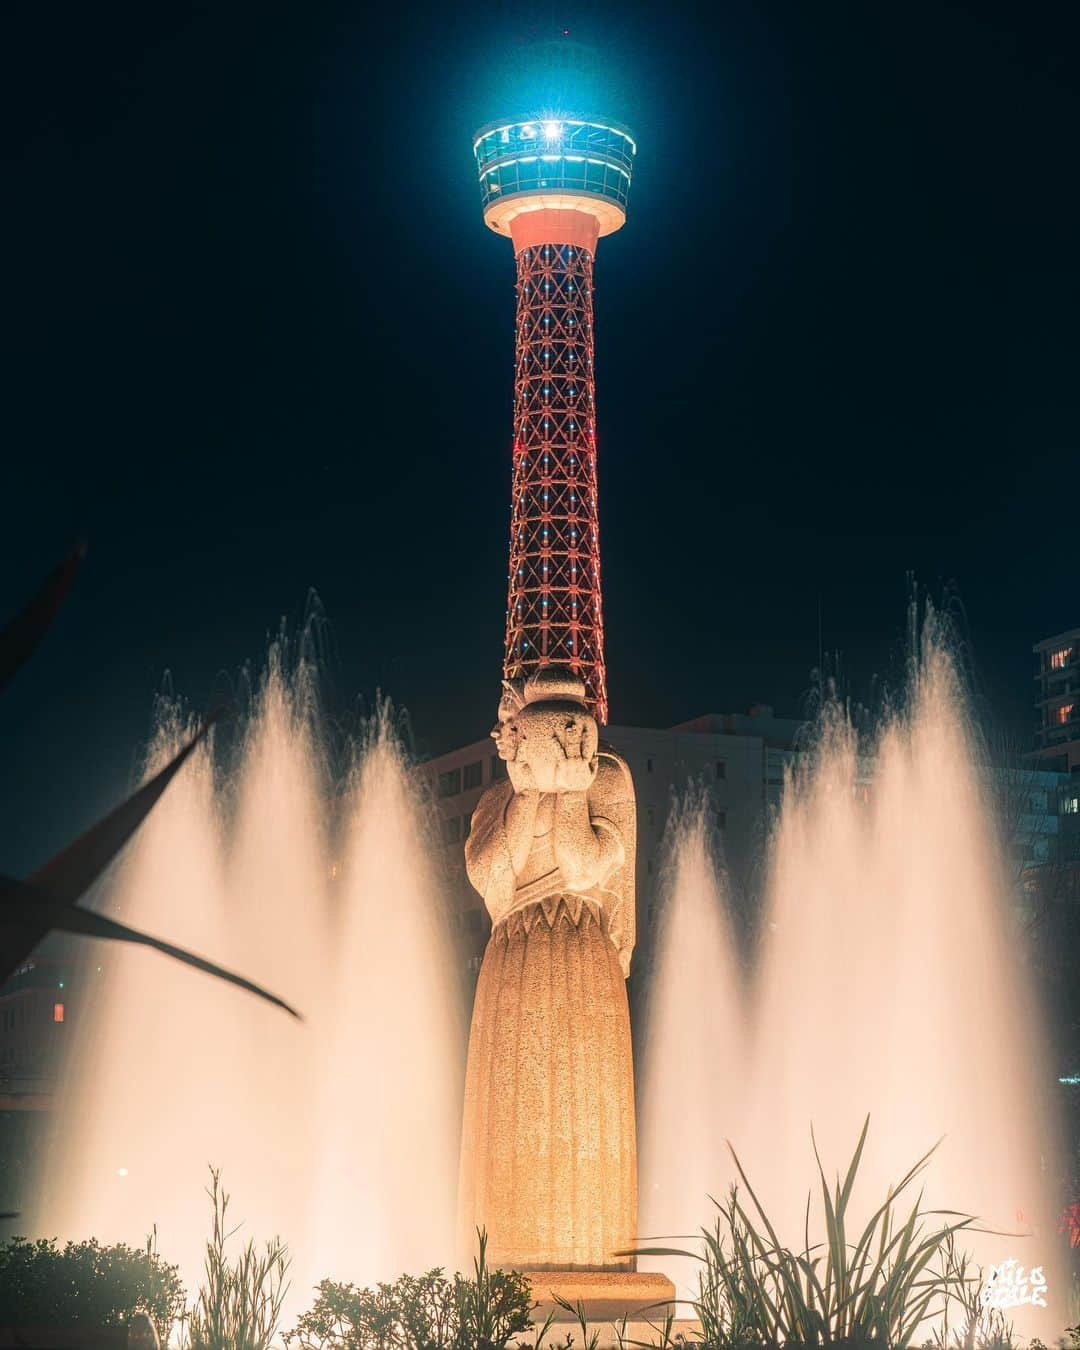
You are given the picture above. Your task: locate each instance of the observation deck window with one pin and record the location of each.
(569, 155)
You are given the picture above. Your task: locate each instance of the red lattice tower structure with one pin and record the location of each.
(555, 187)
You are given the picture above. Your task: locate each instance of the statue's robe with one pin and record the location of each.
(549, 1155)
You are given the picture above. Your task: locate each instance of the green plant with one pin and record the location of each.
(239, 1305)
(589, 1339)
(978, 1327)
(86, 1285)
(425, 1312)
(664, 1337)
(875, 1291)
(494, 1305)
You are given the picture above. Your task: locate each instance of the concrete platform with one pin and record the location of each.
(607, 1295)
(634, 1335)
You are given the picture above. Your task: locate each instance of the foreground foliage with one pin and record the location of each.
(239, 1305)
(903, 1273)
(424, 1312)
(874, 1287)
(86, 1285)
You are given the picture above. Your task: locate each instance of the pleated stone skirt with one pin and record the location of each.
(549, 1157)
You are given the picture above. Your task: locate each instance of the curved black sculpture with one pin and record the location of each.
(46, 901)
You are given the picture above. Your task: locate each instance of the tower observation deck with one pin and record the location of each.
(554, 186)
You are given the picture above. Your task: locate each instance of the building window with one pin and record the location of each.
(498, 768)
(451, 830)
(474, 774)
(450, 783)
(57, 1012)
(1062, 714)
(1060, 659)
(1070, 806)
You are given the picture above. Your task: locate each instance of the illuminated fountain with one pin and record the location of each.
(335, 1133)
(388, 1143)
(886, 982)
(889, 981)
(692, 1056)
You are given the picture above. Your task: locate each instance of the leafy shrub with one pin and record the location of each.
(86, 1285)
(239, 1306)
(419, 1312)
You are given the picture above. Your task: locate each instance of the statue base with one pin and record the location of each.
(607, 1295)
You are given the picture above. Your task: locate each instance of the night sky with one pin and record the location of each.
(260, 344)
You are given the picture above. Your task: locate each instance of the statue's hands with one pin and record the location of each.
(521, 775)
(575, 775)
(576, 770)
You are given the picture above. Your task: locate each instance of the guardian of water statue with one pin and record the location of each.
(549, 1158)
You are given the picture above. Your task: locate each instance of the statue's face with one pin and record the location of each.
(505, 731)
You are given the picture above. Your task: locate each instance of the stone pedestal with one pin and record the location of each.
(620, 1336)
(607, 1295)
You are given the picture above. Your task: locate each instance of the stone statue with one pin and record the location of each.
(549, 1157)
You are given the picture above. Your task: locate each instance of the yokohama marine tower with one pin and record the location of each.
(554, 188)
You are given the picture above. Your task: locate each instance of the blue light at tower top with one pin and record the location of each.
(555, 154)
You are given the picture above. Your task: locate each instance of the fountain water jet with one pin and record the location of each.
(171, 1072)
(149, 1078)
(691, 1073)
(277, 920)
(394, 966)
(890, 981)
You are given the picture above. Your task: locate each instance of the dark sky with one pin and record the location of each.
(260, 343)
